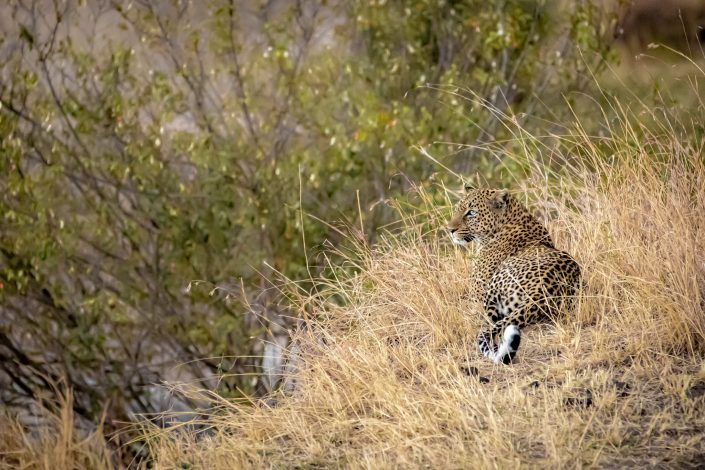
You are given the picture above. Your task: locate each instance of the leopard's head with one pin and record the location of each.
(479, 215)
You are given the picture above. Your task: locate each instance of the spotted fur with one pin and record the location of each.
(519, 276)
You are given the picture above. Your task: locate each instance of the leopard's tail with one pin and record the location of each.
(507, 348)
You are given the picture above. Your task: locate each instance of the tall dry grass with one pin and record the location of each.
(385, 373)
(49, 439)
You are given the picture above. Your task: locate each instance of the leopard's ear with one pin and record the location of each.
(499, 199)
(473, 183)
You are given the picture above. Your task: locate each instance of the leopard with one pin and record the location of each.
(519, 277)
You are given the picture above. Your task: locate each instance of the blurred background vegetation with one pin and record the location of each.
(164, 164)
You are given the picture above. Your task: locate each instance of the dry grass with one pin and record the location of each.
(56, 444)
(619, 383)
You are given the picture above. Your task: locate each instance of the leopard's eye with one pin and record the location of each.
(470, 214)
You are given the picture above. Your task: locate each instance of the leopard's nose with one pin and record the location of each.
(452, 230)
